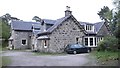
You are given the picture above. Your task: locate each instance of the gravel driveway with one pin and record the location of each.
(26, 58)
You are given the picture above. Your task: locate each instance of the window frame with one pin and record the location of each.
(86, 41)
(91, 41)
(25, 41)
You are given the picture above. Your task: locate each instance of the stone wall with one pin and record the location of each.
(17, 39)
(40, 46)
(66, 33)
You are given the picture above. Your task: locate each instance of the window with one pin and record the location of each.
(37, 28)
(91, 41)
(86, 27)
(45, 44)
(77, 40)
(101, 38)
(24, 42)
(86, 41)
(75, 46)
(89, 27)
(95, 41)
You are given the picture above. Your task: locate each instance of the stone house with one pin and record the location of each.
(54, 35)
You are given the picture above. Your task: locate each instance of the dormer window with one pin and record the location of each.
(36, 28)
(89, 27)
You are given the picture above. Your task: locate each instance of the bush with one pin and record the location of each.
(110, 43)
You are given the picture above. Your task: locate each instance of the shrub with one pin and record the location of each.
(109, 43)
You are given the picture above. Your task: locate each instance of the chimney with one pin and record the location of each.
(43, 26)
(68, 12)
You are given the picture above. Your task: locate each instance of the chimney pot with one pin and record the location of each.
(68, 12)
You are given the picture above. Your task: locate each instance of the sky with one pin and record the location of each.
(82, 10)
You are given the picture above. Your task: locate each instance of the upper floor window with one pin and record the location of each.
(89, 27)
(36, 28)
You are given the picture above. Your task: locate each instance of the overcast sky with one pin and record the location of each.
(83, 10)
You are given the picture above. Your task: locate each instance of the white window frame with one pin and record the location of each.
(89, 41)
(89, 27)
(45, 44)
(24, 39)
(85, 42)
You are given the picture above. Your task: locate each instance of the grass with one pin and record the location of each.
(106, 56)
(5, 61)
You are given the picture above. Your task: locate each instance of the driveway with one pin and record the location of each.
(27, 58)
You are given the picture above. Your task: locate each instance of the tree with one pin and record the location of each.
(105, 14)
(6, 17)
(116, 3)
(36, 18)
(112, 18)
(4, 29)
(109, 18)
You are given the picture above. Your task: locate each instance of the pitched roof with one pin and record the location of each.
(97, 26)
(48, 21)
(23, 25)
(57, 23)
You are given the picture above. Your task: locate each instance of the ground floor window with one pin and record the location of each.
(86, 41)
(91, 41)
(95, 42)
(99, 39)
(45, 43)
(24, 41)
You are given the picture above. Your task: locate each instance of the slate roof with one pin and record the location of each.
(57, 23)
(97, 26)
(84, 23)
(48, 21)
(22, 25)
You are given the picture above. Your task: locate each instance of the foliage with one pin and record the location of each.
(116, 3)
(105, 13)
(109, 43)
(109, 18)
(106, 57)
(112, 19)
(5, 29)
(37, 19)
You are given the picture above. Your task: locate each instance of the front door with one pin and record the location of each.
(78, 40)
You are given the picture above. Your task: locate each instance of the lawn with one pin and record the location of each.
(106, 57)
(5, 61)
